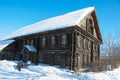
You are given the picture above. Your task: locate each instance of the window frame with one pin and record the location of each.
(52, 40)
(94, 48)
(84, 43)
(31, 42)
(64, 39)
(89, 45)
(79, 40)
(43, 41)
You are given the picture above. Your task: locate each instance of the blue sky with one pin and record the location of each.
(15, 14)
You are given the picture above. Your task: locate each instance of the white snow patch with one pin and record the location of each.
(8, 71)
(30, 48)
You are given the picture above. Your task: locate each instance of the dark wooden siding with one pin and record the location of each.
(66, 55)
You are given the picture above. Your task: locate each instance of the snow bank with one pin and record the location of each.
(7, 66)
(105, 75)
(8, 71)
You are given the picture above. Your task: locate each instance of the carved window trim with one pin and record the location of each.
(90, 21)
(79, 41)
(89, 45)
(84, 43)
(90, 25)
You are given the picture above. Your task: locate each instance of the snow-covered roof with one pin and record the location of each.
(31, 48)
(62, 21)
(4, 44)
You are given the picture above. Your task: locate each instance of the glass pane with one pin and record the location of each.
(52, 40)
(63, 39)
(84, 43)
(43, 41)
(79, 41)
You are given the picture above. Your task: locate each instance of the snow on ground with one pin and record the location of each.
(8, 71)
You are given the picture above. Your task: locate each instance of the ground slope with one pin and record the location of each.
(8, 71)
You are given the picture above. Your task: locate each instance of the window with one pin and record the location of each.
(93, 47)
(28, 42)
(91, 29)
(90, 21)
(52, 40)
(63, 39)
(89, 45)
(43, 41)
(84, 43)
(31, 42)
(90, 25)
(23, 42)
(79, 41)
(57, 39)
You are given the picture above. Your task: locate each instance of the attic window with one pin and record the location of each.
(90, 25)
(90, 21)
(91, 29)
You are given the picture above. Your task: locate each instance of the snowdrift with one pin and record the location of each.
(8, 71)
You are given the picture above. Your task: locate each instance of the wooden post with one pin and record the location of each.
(38, 43)
(71, 61)
(72, 52)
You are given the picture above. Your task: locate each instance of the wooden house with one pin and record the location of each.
(71, 40)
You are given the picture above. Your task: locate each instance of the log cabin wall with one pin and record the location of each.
(8, 53)
(57, 48)
(72, 47)
(87, 47)
(53, 47)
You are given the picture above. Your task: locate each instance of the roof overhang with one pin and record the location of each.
(4, 44)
